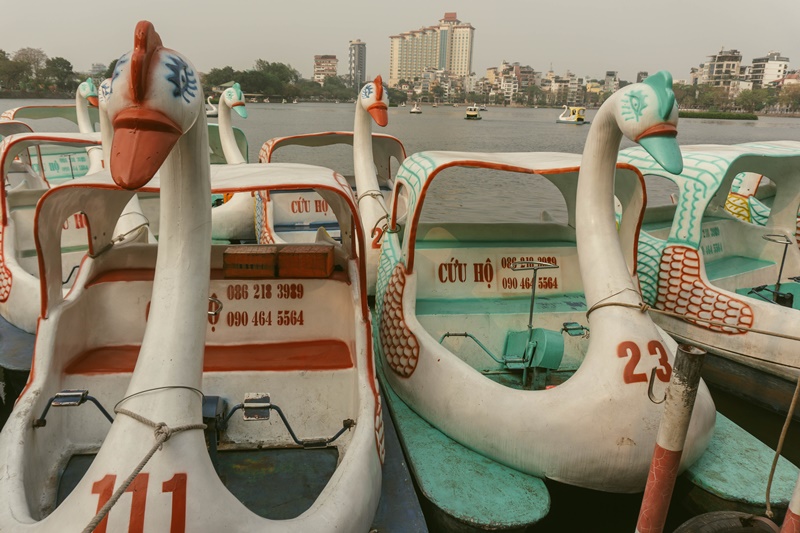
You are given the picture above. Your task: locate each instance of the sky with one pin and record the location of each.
(587, 38)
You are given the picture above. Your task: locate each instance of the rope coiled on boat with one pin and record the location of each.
(162, 434)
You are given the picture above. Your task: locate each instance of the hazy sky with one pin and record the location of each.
(627, 36)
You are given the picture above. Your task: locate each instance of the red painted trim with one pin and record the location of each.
(32, 373)
(277, 142)
(464, 163)
(315, 355)
(658, 492)
(494, 166)
(791, 523)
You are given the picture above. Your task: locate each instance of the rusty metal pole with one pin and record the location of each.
(681, 395)
(791, 522)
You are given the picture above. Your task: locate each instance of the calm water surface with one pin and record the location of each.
(444, 128)
(469, 195)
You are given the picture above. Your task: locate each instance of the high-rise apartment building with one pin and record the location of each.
(357, 70)
(447, 47)
(324, 66)
(722, 68)
(771, 68)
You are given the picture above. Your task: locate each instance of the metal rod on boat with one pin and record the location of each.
(791, 522)
(672, 431)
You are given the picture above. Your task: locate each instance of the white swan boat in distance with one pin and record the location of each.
(135, 329)
(458, 332)
(296, 215)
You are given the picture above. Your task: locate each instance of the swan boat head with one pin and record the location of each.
(647, 114)
(156, 98)
(88, 91)
(233, 97)
(374, 99)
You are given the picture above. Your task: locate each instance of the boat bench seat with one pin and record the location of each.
(330, 354)
(557, 303)
(734, 265)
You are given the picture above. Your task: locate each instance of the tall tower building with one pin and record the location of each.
(357, 72)
(447, 46)
(324, 66)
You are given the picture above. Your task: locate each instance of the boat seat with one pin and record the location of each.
(276, 357)
(556, 303)
(734, 265)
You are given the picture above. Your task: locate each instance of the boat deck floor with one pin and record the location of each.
(277, 484)
(791, 288)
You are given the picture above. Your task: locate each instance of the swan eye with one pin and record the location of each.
(182, 77)
(367, 91)
(633, 105)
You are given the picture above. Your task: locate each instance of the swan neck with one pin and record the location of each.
(174, 340)
(226, 136)
(363, 161)
(603, 267)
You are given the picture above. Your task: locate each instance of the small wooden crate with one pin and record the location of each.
(305, 261)
(257, 261)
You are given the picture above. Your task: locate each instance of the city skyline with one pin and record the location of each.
(585, 40)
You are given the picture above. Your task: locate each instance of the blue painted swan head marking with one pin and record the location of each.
(374, 98)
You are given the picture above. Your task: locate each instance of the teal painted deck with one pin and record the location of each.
(468, 487)
(564, 303)
(790, 287)
(734, 265)
(736, 465)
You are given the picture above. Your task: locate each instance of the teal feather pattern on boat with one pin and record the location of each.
(647, 265)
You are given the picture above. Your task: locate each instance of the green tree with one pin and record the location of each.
(110, 70)
(790, 97)
(34, 59)
(397, 96)
(218, 76)
(58, 71)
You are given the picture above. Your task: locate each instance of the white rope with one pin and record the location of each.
(162, 433)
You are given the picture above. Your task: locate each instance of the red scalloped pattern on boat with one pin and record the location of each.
(681, 290)
(379, 441)
(265, 235)
(400, 346)
(266, 148)
(5, 273)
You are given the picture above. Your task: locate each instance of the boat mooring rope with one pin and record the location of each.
(643, 307)
(162, 433)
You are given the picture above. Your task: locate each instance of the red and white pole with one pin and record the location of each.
(681, 395)
(791, 522)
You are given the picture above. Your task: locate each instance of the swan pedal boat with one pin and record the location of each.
(461, 342)
(295, 216)
(729, 277)
(459, 285)
(573, 115)
(261, 342)
(23, 187)
(149, 329)
(441, 282)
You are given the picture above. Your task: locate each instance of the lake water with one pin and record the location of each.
(501, 130)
